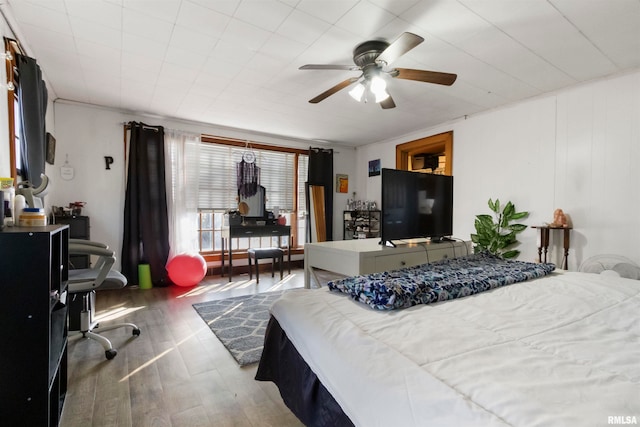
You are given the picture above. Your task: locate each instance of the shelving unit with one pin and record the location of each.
(361, 224)
(33, 361)
(79, 228)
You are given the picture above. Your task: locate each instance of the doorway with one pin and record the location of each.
(433, 153)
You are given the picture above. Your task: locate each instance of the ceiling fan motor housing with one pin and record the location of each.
(366, 53)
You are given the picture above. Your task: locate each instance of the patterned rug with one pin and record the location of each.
(240, 323)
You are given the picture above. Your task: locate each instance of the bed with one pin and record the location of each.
(558, 350)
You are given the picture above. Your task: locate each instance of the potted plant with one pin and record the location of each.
(495, 233)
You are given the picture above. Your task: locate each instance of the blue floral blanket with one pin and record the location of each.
(439, 281)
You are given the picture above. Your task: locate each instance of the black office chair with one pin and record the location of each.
(84, 282)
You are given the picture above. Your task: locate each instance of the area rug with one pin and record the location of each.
(239, 323)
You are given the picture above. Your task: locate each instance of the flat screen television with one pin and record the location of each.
(416, 205)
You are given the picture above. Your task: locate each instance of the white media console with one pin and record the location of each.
(364, 256)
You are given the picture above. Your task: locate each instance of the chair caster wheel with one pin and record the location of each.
(136, 332)
(110, 354)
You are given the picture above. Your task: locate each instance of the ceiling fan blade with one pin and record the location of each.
(329, 67)
(388, 103)
(436, 77)
(399, 47)
(336, 88)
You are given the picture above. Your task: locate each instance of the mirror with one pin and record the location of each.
(254, 205)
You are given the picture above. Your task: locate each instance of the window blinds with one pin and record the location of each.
(217, 169)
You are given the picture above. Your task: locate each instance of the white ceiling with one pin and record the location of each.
(234, 63)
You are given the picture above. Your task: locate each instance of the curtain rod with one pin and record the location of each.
(127, 125)
(246, 143)
(321, 150)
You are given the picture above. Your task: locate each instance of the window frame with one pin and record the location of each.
(12, 48)
(293, 217)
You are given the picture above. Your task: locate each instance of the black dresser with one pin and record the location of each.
(78, 229)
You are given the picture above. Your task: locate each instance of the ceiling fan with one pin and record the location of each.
(373, 58)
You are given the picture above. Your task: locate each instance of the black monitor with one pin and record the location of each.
(416, 205)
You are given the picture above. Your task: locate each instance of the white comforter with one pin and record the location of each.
(563, 350)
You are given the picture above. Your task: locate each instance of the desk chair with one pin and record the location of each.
(84, 282)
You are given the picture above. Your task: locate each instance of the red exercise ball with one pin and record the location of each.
(187, 269)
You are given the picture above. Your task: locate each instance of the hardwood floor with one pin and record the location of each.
(176, 373)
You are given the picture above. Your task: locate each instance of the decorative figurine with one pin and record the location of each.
(559, 219)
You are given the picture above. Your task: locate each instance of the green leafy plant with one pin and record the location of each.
(495, 233)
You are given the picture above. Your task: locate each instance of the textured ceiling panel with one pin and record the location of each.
(234, 63)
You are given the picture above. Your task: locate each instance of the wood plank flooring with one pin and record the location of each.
(176, 373)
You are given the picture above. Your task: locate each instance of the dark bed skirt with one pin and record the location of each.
(300, 388)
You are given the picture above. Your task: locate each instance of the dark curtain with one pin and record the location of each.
(321, 173)
(32, 99)
(146, 224)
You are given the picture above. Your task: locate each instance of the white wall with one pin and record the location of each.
(578, 150)
(343, 163)
(86, 134)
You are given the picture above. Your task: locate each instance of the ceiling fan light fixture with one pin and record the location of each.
(357, 92)
(378, 88)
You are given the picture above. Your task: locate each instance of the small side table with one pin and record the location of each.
(543, 244)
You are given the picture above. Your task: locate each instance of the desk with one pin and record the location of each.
(363, 256)
(544, 242)
(234, 231)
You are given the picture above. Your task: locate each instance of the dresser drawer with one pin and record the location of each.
(394, 262)
(438, 254)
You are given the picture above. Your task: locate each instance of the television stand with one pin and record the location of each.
(441, 239)
(364, 256)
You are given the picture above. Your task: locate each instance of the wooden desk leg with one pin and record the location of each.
(545, 242)
(231, 260)
(307, 268)
(567, 237)
(540, 246)
(222, 267)
(289, 254)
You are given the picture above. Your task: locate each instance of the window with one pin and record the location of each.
(17, 126)
(283, 172)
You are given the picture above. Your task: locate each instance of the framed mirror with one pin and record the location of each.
(254, 206)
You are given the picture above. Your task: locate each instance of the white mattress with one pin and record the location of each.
(563, 350)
